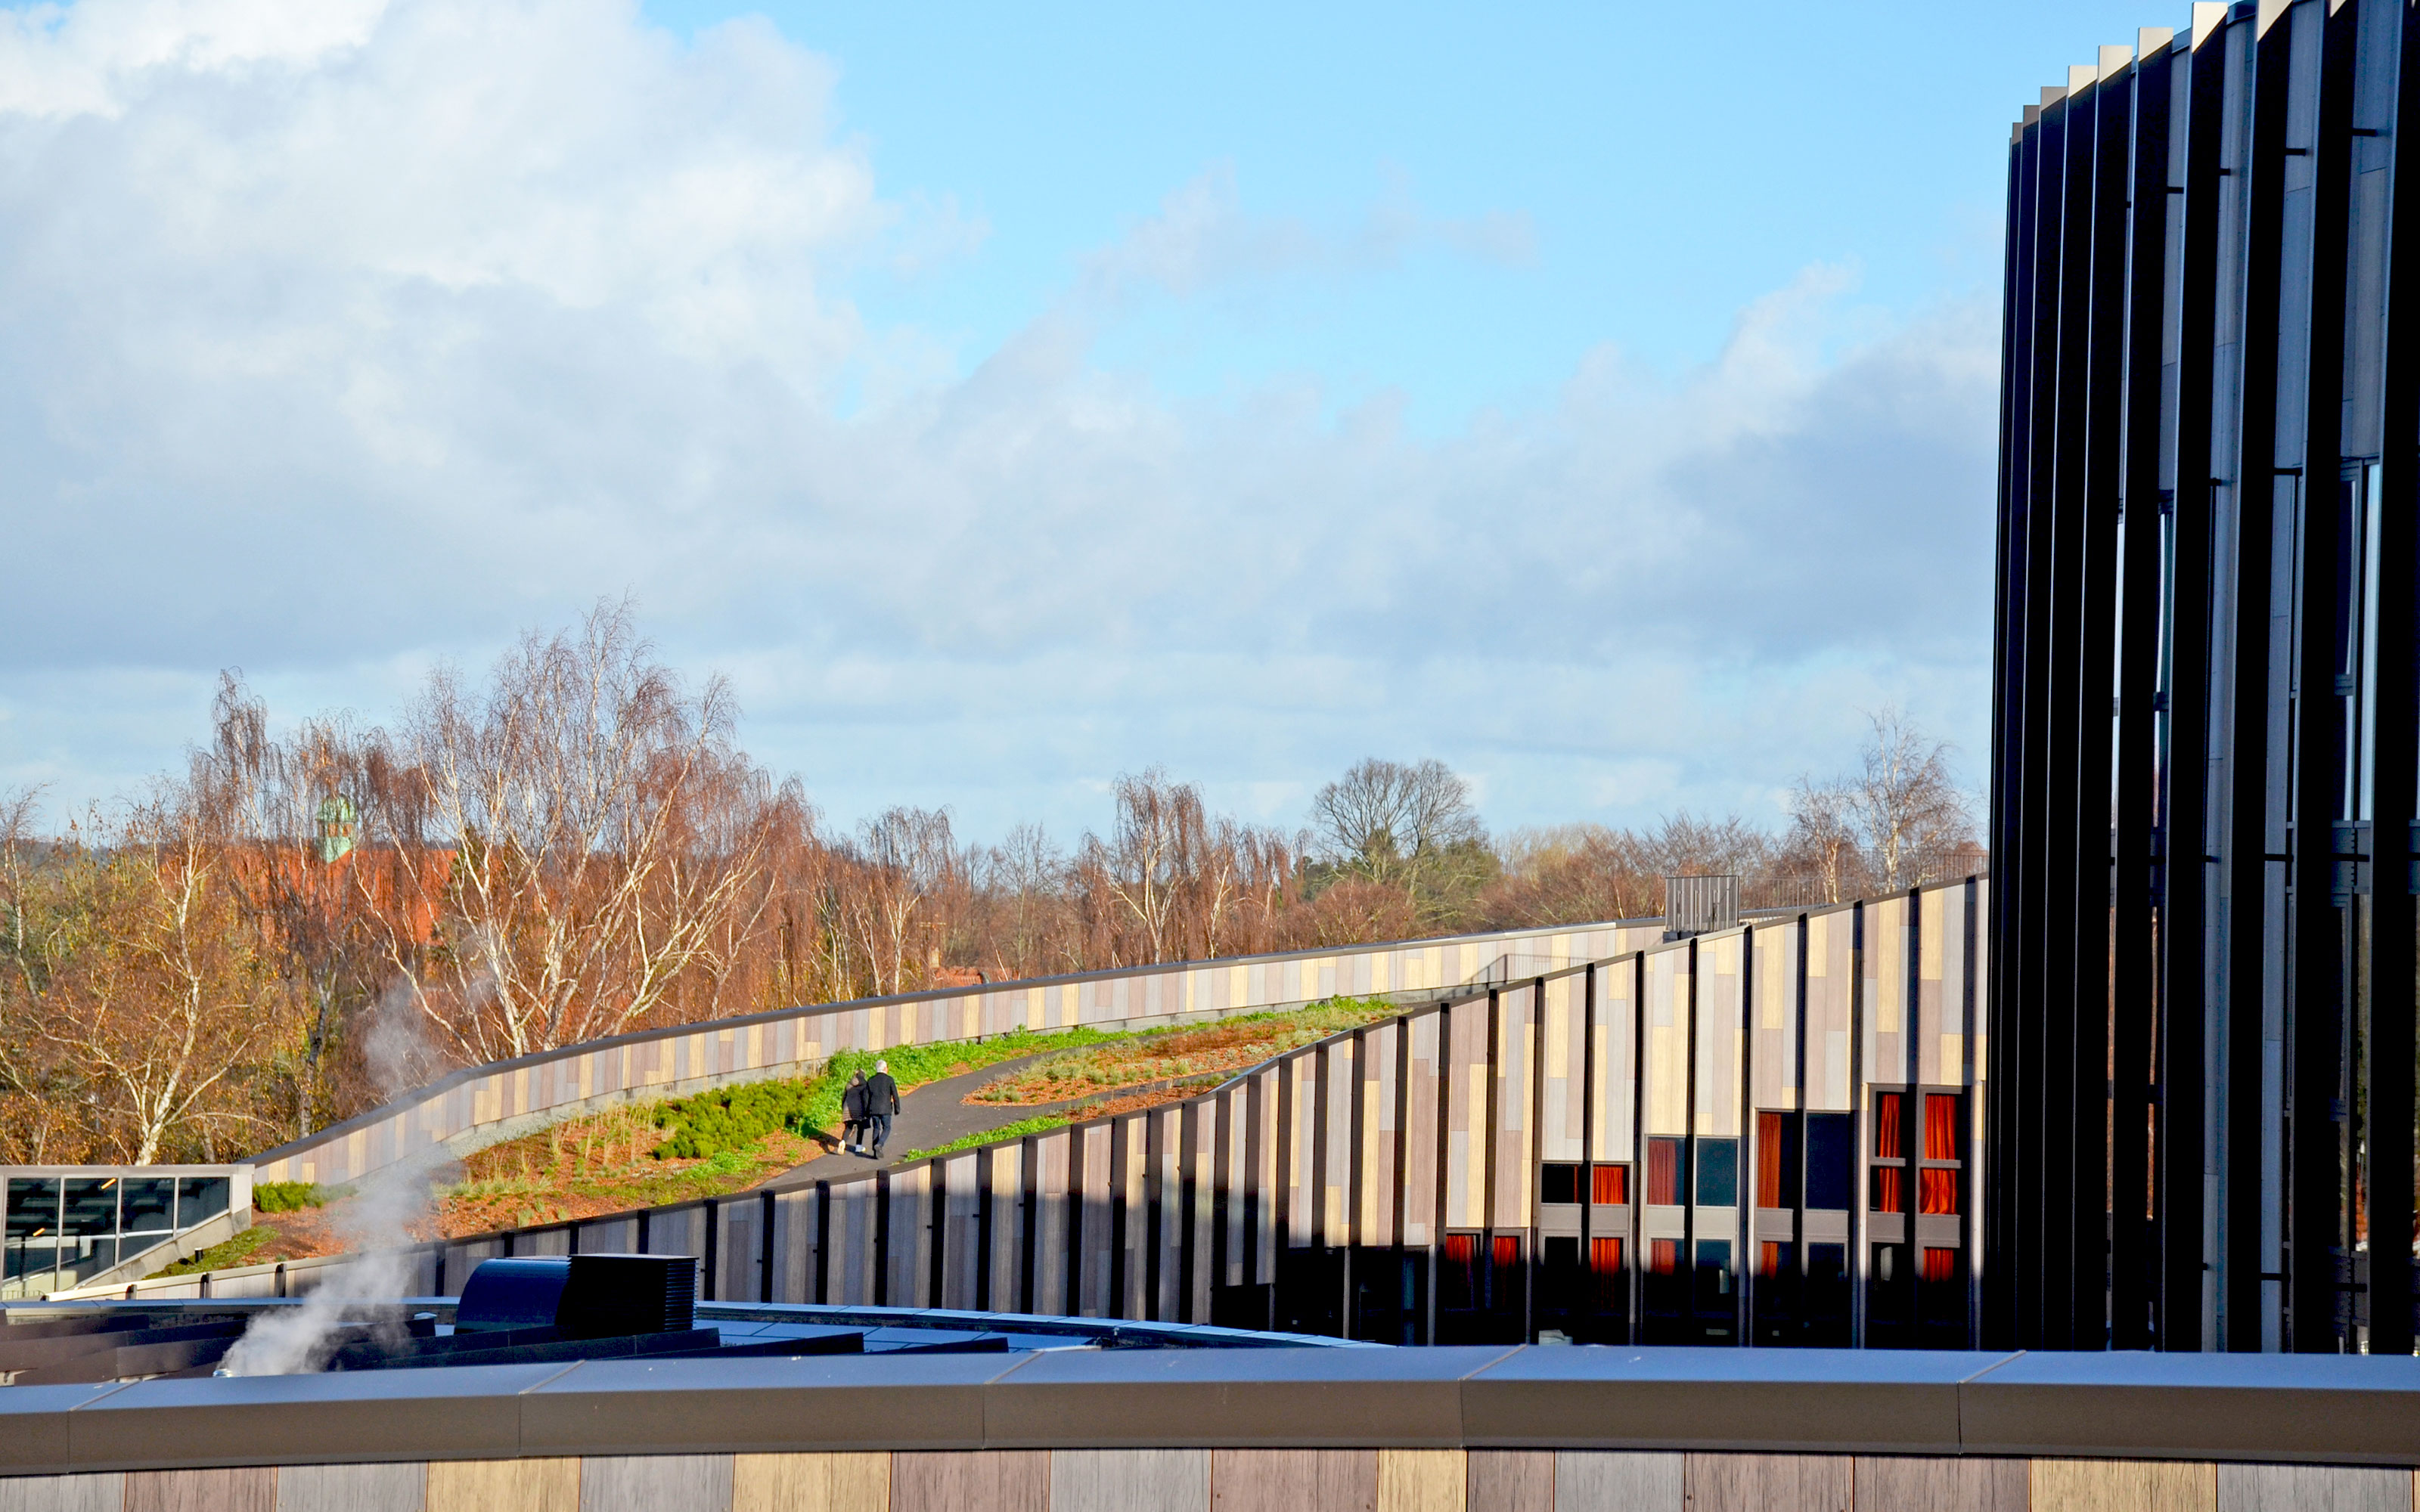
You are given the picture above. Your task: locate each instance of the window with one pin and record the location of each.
(1831, 1160)
(1663, 1173)
(1774, 1260)
(199, 1198)
(1559, 1183)
(1718, 1173)
(1777, 1160)
(1942, 1174)
(146, 1207)
(1715, 1268)
(1889, 1174)
(1604, 1267)
(1662, 1257)
(1458, 1272)
(1609, 1185)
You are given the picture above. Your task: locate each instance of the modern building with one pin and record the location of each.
(2203, 756)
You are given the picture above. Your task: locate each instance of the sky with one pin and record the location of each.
(1599, 398)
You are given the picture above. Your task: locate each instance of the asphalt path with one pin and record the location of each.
(933, 1114)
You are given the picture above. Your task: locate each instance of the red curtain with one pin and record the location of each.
(1604, 1259)
(1768, 1258)
(1888, 1115)
(1457, 1278)
(1507, 1254)
(1768, 1161)
(1941, 1127)
(1663, 1172)
(1609, 1186)
(1664, 1257)
(1890, 1189)
(1937, 1192)
(1937, 1265)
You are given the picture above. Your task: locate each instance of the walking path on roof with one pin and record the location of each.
(932, 1114)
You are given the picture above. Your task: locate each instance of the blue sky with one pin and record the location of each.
(1597, 397)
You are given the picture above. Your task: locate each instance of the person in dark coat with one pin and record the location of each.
(881, 1104)
(852, 1112)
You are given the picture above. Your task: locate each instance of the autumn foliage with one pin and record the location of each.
(305, 923)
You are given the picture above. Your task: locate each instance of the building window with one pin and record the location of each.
(1663, 1173)
(1559, 1184)
(1718, 1173)
(1831, 1161)
(1609, 1185)
(1941, 1175)
(1889, 1173)
(1612, 1293)
(1777, 1160)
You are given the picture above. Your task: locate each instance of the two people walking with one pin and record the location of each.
(867, 1107)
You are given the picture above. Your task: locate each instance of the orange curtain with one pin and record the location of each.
(1664, 1257)
(1937, 1192)
(1937, 1265)
(1609, 1186)
(1604, 1259)
(1888, 1114)
(1890, 1189)
(1941, 1127)
(1768, 1161)
(1768, 1258)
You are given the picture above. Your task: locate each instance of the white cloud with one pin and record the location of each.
(325, 348)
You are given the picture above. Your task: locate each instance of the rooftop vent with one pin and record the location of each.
(1700, 905)
(582, 1296)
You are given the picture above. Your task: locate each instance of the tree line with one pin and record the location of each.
(300, 925)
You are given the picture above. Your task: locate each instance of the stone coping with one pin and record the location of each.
(2201, 1406)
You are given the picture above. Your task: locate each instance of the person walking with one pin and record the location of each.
(852, 1112)
(881, 1104)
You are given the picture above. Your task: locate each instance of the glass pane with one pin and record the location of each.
(1662, 1257)
(1457, 1267)
(144, 1204)
(1774, 1259)
(1718, 1173)
(1663, 1173)
(1714, 1267)
(133, 1244)
(32, 1205)
(91, 1205)
(1609, 1186)
(1559, 1184)
(200, 1198)
(1831, 1161)
(1937, 1265)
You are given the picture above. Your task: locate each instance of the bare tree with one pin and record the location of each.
(1907, 803)
(1823, 837)
(910, 859)
(1385, 817)
(592, 868)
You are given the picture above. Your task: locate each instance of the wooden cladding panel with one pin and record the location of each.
(2121, 1486)
(1294, 1480)
(977, 1480)
(1910, 1483)
(1755, 1483)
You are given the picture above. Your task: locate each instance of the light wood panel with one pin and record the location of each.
(2313, 1488)
(809, 1483)
(1614, 1480)
(2122, 1486)
(64, 1493)
(504, 1486)
(657, 1483)
(1115, 1480)
(1422, 1480)
(353, 1487)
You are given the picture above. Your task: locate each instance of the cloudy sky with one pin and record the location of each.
(1597, 396)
